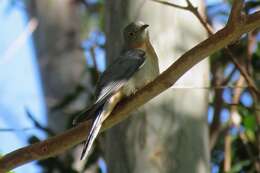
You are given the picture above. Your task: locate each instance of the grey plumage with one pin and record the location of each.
(119, 72)
(111, 81)
(136, 67)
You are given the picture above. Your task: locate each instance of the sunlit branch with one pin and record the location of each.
(235, 18)
(19, 41)
(60, 143)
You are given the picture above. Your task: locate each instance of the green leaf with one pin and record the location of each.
(251, 135)
(238, 166)
(249, 122)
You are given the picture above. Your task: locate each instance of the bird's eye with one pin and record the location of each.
(131, 33)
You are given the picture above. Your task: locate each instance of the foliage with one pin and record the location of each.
(242, 126)
(240, 100)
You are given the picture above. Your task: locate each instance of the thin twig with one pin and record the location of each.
(171, 4)
(17, 130)
(191, 9)
(233, 120)
(209, 87)
(243, 72)
(38, 125)
(19, 42)
(236, 18)
(216, 126)
(94, 59)
(60, 143)
(228, 78)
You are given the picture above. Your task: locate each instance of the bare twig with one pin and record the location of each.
(243, 137)
(236, 17)
(243, 72)
(94, 59)
(171, 4)
(215, 127)
(234, 120)
(60, 143)
(252, 40)
(38, 125)
(19, 42)
(217, 87)
(191, 9)
(228, 152)
(257, 114)
(237, 105)
(16, 130)
(228, 78)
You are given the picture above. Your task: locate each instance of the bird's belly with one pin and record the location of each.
(143, 76)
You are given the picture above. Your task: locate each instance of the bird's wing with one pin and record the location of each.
(110, 82)
(113, 78)
(119, 72)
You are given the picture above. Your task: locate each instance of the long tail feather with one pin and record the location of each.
(89, 112)
(92, 135)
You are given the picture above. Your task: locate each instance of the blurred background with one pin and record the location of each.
(52, 53)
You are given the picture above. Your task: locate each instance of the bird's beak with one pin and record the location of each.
(144, 27)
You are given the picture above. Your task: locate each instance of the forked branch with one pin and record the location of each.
(60, 143)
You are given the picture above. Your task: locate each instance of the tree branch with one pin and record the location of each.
(171, 4)
(191, 8)
(235, 18)
(243, 72)
(70, 138)
(236, 13)
(233, 120)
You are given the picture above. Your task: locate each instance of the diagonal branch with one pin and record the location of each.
(191, 8)
(171, 4)
(19, 42)
(243, 72)
(236, 15)
(60, 143)
(235, 18)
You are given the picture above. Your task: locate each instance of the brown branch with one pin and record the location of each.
(243, 72)
(244, 139)
(19, 41)
(195, 11)
(215, 127)
(233, 112)
(236, 15)
(17, 130)
(94, 59)
(38, 125)
(252, 41)
(172, 4)
(228, 78)
(228, 152)
(60, 143)
(191, 8)
(257, 114)
(235, 18)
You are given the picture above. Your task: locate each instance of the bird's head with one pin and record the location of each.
(135, 34)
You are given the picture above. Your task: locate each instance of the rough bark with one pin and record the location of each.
(170, 134)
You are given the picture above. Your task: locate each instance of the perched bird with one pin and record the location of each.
(136, 66)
